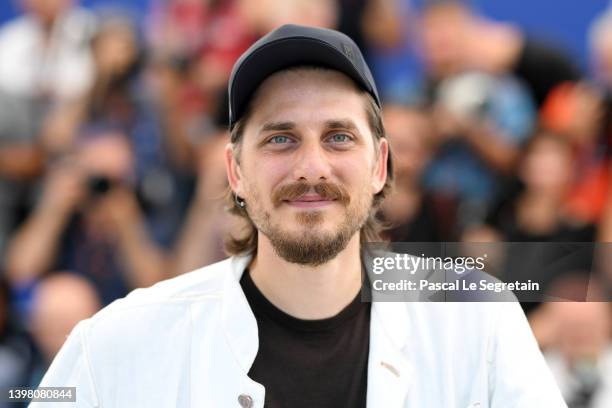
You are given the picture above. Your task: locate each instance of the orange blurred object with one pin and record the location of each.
(559, 109)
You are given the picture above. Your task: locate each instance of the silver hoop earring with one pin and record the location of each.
(239, 201)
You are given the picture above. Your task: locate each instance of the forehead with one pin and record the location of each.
(447, 11)
(307, 96)
(549, 145)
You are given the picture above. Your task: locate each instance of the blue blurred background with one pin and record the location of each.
(565, 21)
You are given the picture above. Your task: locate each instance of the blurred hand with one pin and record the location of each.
(448, 125)
(64, 188)
(116, 211)
(114, 52)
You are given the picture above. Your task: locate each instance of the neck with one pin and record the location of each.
(308, 292)
(543, 198)
(539, 213)
(47, 24)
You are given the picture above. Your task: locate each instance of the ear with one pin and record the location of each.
(232, 167)
(380, 166)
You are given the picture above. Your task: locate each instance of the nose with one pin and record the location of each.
(311, 163)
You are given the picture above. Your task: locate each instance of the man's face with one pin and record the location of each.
(308, 166)
(444, 36)
(47, 10)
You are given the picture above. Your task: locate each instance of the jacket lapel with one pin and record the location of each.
(390, 372)
(237, 317)
(224, 362)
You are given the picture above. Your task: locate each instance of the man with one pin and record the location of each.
(44, 60)
(44, 53)
(282, 324)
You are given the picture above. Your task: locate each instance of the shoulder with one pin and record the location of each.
(474, 332)
(168, 300)
(478, 318)
(133, 332)
(202, 282)
(17, 29)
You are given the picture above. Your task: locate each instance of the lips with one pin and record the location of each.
(308, 198)
(310, 201)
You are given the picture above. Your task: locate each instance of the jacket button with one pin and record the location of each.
(245, 401)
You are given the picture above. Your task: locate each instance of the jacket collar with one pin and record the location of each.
(390, 370)
(238, 318)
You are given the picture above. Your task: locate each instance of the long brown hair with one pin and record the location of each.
(246, 242)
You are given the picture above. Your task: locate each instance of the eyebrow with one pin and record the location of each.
(276, 126)
(329, 124)
(341, 124)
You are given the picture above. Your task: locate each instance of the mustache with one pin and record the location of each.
(293, 191)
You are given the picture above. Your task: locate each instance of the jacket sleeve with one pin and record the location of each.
(71, 368)
(518, 375)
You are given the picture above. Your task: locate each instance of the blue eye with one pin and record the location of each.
(340, 138)
(279, 139)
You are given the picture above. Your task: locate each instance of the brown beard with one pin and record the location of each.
(312, 248)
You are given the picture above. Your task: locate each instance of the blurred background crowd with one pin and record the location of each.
(113, 118)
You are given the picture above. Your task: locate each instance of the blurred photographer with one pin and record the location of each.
(123, 100)
(481, 123)
(44, 59)
(88, 220)
(482, 117)
(456, 37)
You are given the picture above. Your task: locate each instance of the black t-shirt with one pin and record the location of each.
(310, 363)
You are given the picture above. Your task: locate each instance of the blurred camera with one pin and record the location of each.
(466, 95)
(98, 185)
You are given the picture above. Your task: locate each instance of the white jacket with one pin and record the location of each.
(190, 342)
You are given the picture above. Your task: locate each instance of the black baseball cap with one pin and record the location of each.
(293, 45)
